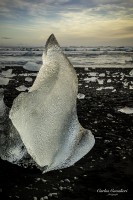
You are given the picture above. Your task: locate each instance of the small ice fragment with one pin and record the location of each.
(109, 81)
(100, 88)
(86, 68)
(28, 79)
(109, 115)
(118, 148)
(85, 175)
(109, 88)
(31, 66)
(4, 81)
(61, 188)
(131, 73)
(93, 74)
(52, 194)
(92, 79)
(102, 75)
(8, 73)
(107, 141)
(34, 198)
(100, 81)
(38, 179)
(43, 180)
(21, 88)
(126, 110)
(67, 180)
(125, 84)
(2, 104)
(105, 88)
(114, 90)
(80, 96)
(45, 198)
(131, 87)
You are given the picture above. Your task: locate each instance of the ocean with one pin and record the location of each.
(94, 57)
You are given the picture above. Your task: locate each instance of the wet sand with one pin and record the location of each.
(106, 172)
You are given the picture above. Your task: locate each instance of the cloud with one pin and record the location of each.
(77, 20)
(53, 7)
(6, 38)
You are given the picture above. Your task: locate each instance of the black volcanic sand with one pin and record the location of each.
(108, 167)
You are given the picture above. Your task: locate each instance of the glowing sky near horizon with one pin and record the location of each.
(74, 22)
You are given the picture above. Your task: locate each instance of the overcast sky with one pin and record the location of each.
(74, 22)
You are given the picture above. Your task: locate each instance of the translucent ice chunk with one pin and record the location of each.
(11, 146)
(2, 105)
(31, 66)
(126, 110)
(46, 116)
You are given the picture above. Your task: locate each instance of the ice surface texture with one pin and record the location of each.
(11, 146)
(46, 116)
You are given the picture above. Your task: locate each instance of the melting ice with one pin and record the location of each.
(46, 117)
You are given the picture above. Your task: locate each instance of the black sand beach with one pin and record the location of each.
(106, 172)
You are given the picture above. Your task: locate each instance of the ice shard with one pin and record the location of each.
(11, 146)
(46, 116)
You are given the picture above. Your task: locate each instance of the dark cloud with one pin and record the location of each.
(6, 38)
(129, 29)
(20, 11)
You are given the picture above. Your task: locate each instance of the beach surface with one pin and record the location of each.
(104, 106)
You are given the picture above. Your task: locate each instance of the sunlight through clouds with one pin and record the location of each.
(74, 22)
